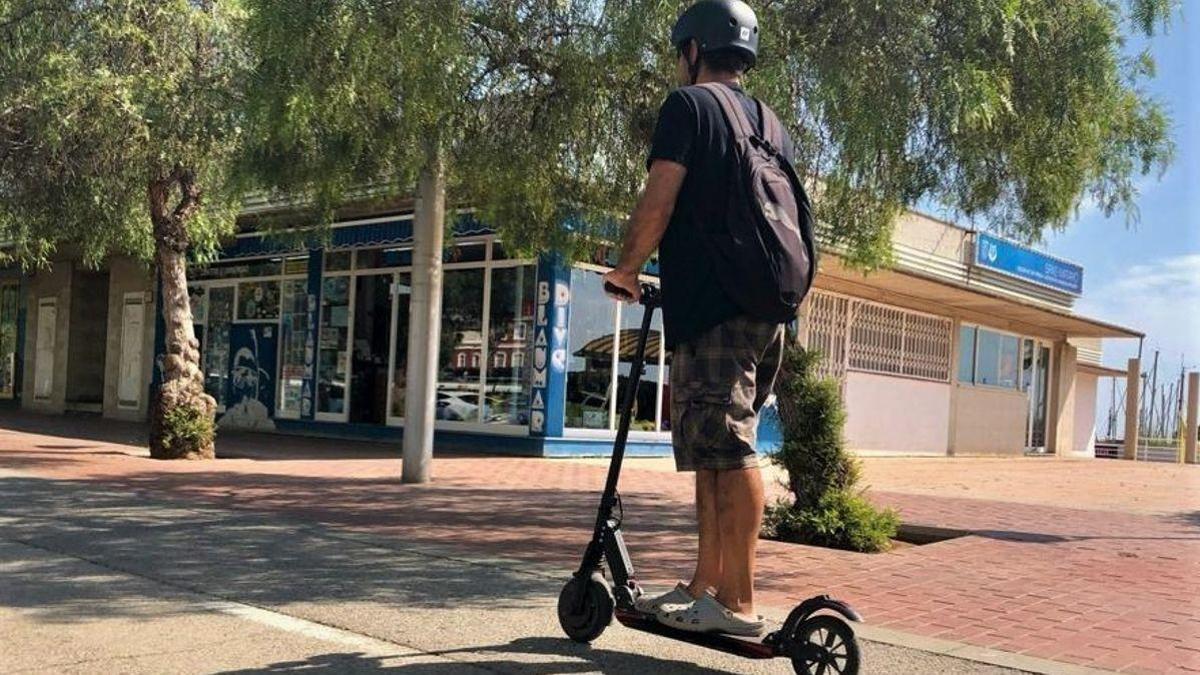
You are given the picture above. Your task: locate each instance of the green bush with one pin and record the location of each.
(186, 428)
(840, 519)
(825, 508)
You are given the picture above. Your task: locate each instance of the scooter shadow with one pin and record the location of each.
(582, 659)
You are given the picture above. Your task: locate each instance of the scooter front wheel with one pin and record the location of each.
(585, 607)
(824, 645)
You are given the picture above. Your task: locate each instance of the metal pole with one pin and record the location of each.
(425, 310)
(1193, 412)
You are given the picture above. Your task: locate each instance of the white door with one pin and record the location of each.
(129, 382)
(47, 333)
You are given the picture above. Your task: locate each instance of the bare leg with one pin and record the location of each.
(740, 504)
(708, 559)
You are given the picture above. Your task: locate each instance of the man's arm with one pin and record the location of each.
(647, 224)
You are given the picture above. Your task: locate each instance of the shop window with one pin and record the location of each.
(590, 337)
(461, 334)
(644, 413)
(375, 258)
(294, 334)
(332, 357)
(996, 359)
(197, 300)
(235, 269)
(216, 342)
(988, 358)
(511, 310)
(10, 299)
(600, 335)
(464, 253)
(337, 261)
(401, 294)
(966, 354)
(258, 301)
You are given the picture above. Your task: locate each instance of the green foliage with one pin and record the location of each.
(185, 428)
(824, 509)
(100, 99)
(841, 519)
(1010, 112)
(812, 416)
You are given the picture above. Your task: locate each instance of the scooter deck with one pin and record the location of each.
(744, 647)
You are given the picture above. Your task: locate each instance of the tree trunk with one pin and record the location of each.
(181, 415)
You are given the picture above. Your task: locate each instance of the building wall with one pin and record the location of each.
(1085, 415)
(989, 421)
(54, 282)
(128, 276)
(896, 415)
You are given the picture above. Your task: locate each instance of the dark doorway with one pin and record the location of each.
(369, 363)
(88, 344)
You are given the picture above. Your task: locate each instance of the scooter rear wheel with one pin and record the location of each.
(824, 645)
(585, 607)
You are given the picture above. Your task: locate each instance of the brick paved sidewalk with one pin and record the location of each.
(1105, 589)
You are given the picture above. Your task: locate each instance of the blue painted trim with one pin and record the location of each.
(547, 399)
(601, 447)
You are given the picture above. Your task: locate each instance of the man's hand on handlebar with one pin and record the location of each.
(622, 285)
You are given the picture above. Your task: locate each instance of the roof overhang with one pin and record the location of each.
(938, 296)
(1102, 371)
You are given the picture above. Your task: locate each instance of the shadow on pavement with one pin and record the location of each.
(585, 660)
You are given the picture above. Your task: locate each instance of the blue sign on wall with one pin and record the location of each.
(1025, 263)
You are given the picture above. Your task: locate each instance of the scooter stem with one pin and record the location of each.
(608, 499)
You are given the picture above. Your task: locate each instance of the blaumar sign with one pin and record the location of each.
(1025, 263)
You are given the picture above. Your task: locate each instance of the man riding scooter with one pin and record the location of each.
(724, 359)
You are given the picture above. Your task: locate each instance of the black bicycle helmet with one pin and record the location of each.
(719, 24)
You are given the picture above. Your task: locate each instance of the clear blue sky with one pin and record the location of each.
(1147, 276)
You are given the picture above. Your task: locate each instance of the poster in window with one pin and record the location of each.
(258, 301)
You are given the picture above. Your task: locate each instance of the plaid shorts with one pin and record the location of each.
(719, 382)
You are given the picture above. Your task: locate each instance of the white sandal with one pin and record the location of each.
(676, 596)
(707, 615)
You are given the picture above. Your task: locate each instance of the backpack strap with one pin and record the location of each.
(735, 114)
(772, 129)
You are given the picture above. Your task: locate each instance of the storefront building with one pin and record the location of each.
(966, 346)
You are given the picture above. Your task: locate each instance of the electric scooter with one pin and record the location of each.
(815, 635)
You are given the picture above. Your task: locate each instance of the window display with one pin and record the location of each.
(258, 301)
(332, 356)
(216, 342)
(294, 338)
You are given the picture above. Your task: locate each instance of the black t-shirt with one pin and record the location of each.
(692, 131)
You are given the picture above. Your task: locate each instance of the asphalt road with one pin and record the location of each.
(96, 580)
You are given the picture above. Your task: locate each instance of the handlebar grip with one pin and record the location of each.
(650, 294)
(612, 289)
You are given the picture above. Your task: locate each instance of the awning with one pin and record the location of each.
(1102, 371)
(389, 232)
(938, 296)
(602, 347)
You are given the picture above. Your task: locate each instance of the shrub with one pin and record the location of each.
(186, 428)
(841, 519)
(825, 509)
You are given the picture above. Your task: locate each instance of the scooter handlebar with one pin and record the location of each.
(651, 296)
